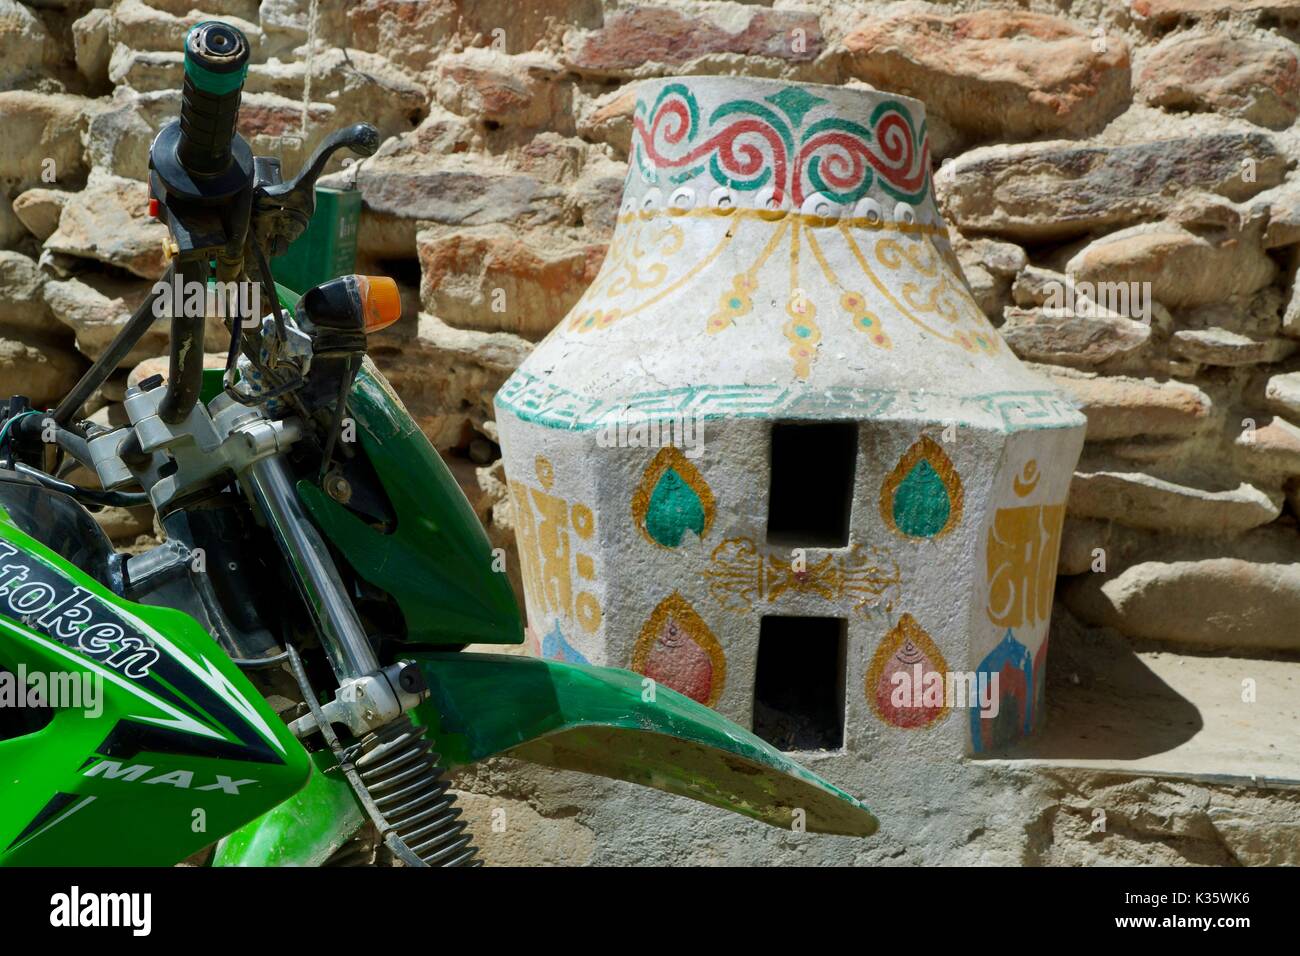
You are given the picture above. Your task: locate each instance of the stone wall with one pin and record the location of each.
(1114, 143)
(1102, 141)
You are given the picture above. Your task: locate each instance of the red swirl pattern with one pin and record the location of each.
(901, 167)
(742, 159)
(842, 169)
(846, 163)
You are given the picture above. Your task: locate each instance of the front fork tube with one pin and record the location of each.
(393, 768)
(368, 696)
(342, 634)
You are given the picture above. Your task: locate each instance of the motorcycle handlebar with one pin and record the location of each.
(216, 63)
(185, 364)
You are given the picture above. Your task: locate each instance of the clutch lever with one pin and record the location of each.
(281, 211)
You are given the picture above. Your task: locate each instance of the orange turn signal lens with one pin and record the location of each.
(380, 301)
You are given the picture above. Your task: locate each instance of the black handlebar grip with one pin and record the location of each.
(216, 62)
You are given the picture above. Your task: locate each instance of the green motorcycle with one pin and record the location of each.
(273, 676)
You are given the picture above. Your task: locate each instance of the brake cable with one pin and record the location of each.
(232, 354)
(277, 310)
(340, 413)
(94, 496)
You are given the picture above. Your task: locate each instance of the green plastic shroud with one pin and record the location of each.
(437, 563)
(168, 747)
(305, 830)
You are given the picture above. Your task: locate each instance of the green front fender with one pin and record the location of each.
(599, 720)
(593, 719)
(305, 830)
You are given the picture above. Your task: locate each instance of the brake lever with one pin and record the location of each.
(282, 210)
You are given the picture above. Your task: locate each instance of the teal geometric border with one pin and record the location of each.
(535, 400)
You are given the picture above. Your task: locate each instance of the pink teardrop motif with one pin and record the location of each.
(677, 649)
(676, 661)
(906, 650)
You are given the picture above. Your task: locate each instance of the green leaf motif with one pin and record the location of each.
(921, 504)
(794, 103)
(674, 509)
